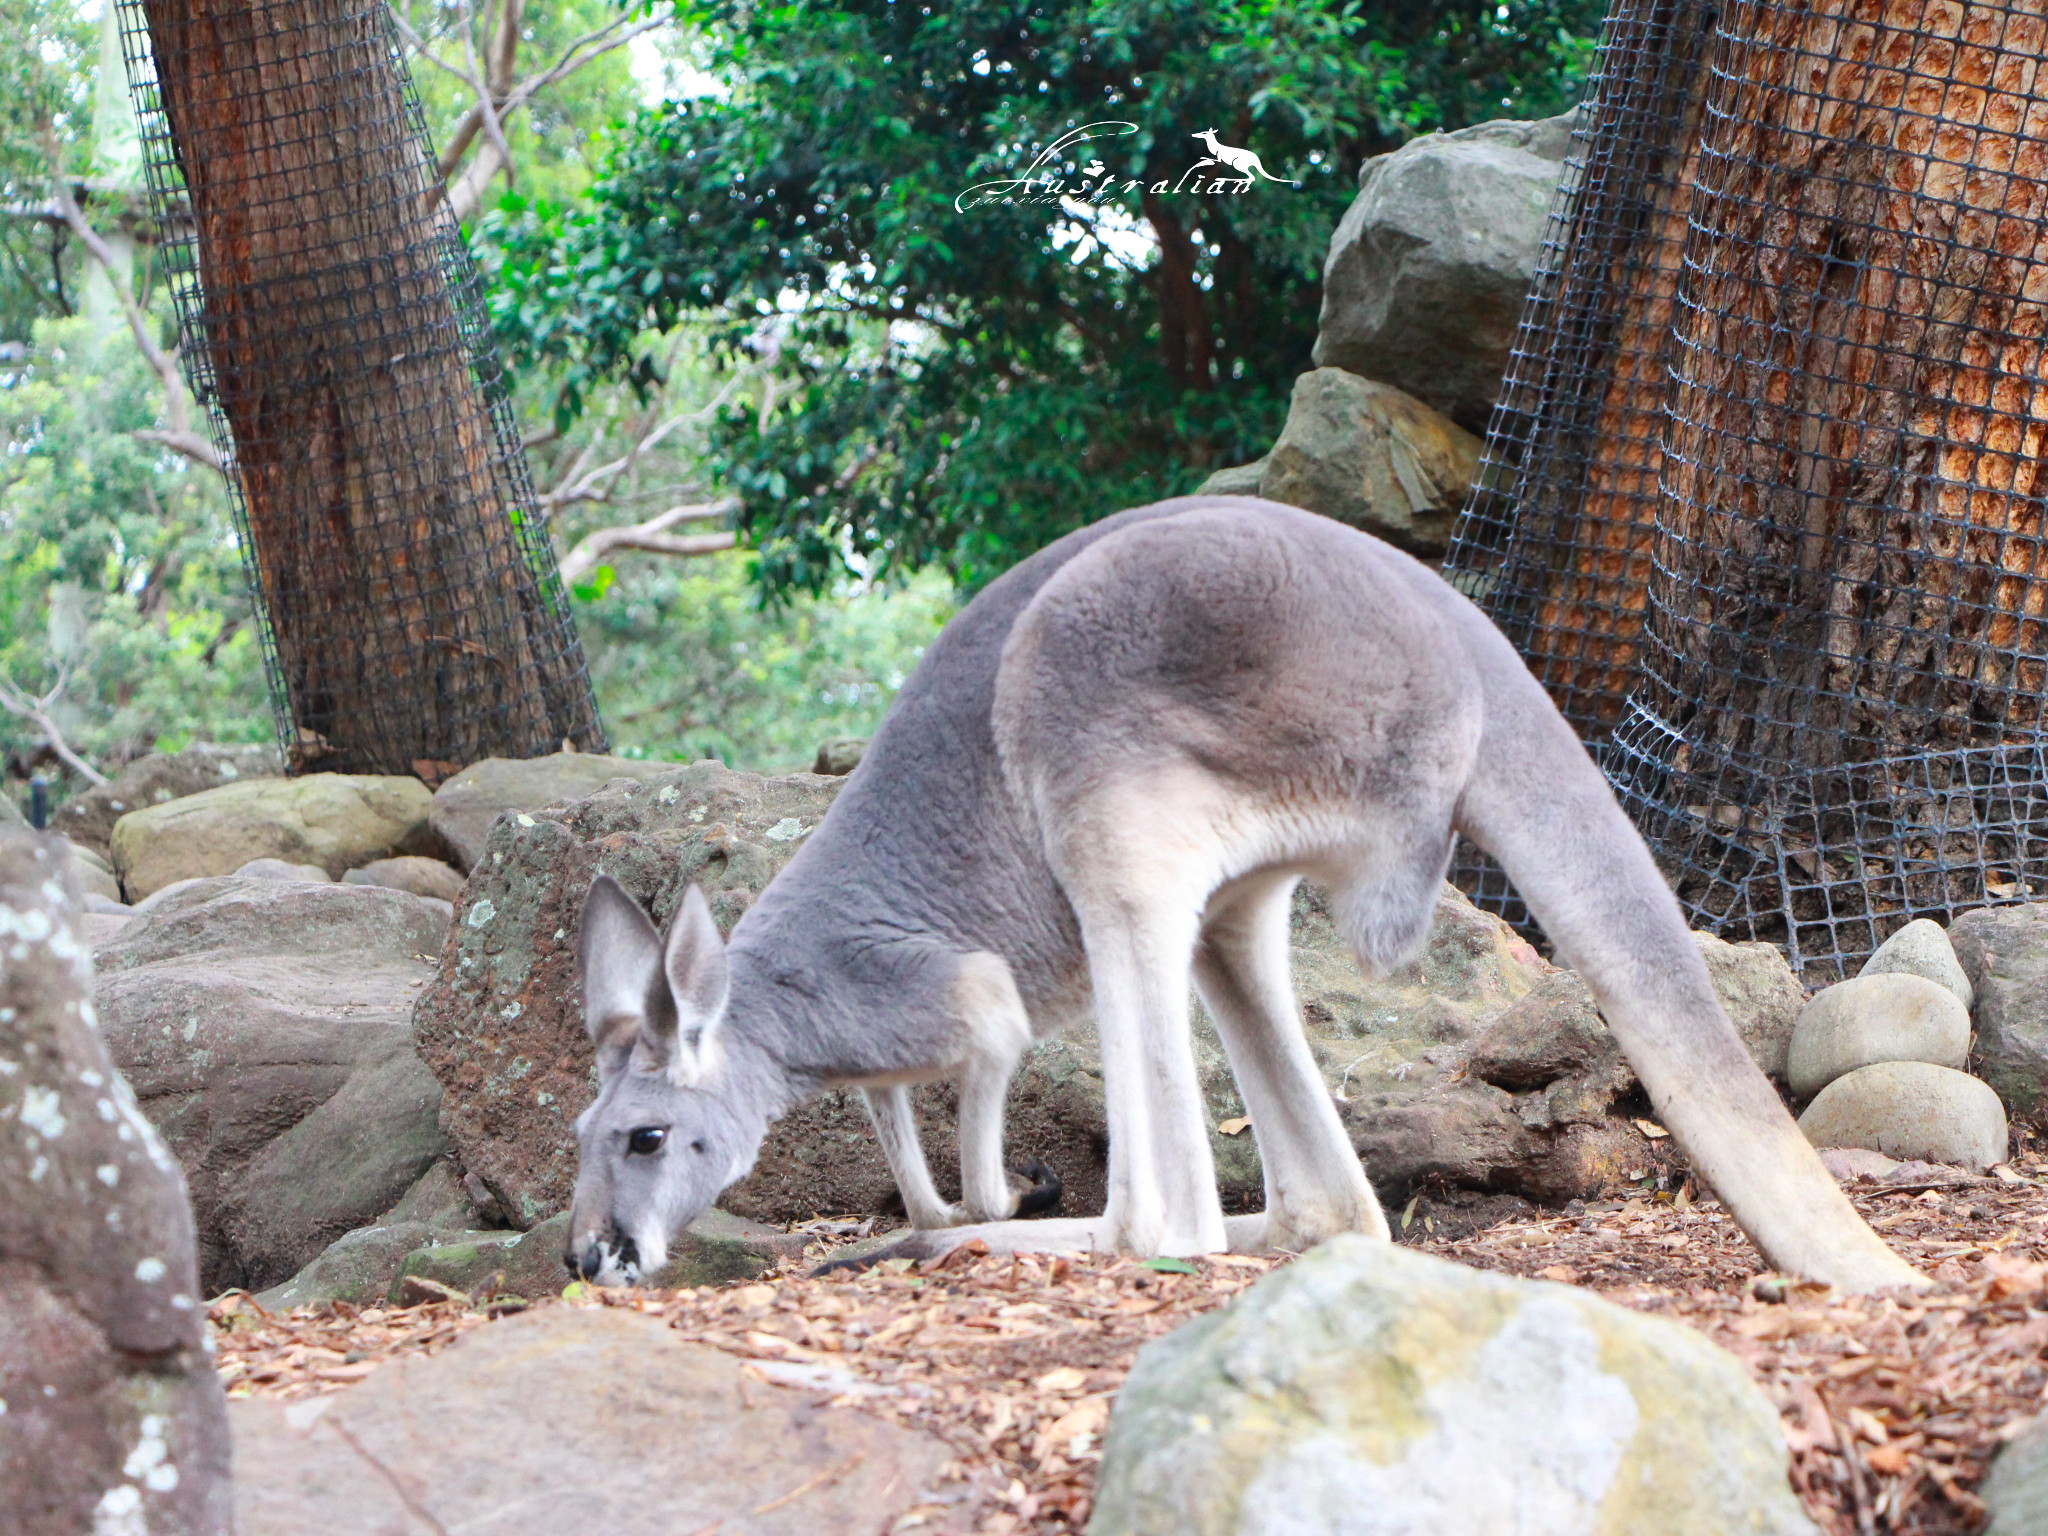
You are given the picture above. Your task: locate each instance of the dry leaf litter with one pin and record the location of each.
(1892, 1405)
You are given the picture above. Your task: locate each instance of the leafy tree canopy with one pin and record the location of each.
(965, 377)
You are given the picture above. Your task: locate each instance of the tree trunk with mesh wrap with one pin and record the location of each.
(1846, 620)
(412, 628)
(1853, 530)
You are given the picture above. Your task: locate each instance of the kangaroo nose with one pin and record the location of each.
(584, 1266)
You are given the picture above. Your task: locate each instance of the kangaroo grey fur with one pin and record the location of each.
(1108, 773)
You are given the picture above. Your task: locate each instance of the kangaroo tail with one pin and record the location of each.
(1538, 804)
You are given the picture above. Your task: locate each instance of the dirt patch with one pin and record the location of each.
(1893, 1407)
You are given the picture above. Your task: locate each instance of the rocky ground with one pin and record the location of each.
(1892, 1406)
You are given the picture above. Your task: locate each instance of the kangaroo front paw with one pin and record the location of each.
(1043, 1190)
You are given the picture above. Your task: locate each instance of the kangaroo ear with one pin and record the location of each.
(620, 958)
(698, 981)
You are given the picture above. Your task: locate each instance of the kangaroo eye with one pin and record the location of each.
(647, 1140)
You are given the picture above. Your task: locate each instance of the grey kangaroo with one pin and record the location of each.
(1108, 773)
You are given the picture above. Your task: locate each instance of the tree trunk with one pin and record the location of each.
(1853, 531)
(1845, 676)
(416, 615)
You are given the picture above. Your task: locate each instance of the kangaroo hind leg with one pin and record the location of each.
(1315, 1187)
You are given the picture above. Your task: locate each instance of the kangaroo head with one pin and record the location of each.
(672, 1125)
(1206, 135)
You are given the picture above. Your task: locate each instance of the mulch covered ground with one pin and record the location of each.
(1892, 1406)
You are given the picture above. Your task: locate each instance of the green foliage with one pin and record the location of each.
(965, 379)
(45, 84)
(556, 139)
(690, 666)
(118, 564)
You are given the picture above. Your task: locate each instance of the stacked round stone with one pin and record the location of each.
(1882, 1058)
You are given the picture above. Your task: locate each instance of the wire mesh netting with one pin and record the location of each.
(1762, 502)
(332, 322)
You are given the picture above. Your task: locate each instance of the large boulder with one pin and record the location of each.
(501, 1025)
(1366, 1387)
(267, 1028)
(1372, 457)
(572, 1418)
(467, 804)
(114, 1419)
(2004, 952)
(88, 819)
(1426, 275)
(334, 820)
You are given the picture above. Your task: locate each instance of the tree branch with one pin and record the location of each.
(652, 538)
(36, 711)
(178, 434)
(580, 485)
(498, 97)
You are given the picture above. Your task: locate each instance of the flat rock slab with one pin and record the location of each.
(334, 820)
(571, 1419)
(467, 804)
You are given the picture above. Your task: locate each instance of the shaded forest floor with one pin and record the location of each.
(1892, 1406)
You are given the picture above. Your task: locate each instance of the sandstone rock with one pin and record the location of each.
(423, 877)
(2016, 1488)
(501, 1025)
(1237, 480)
(96, 876)
(1557, 1034)
(266, 1028)
(1892, 1016)
(11, 819)
(840, 757)
(1921, 948)
(1368, 455)
(1426, 274)
(467, 804)
(2004, 952)
(1554, 1033)
(114, 1419)
(1368, 1378)
(331, 819)
(88, 819)
(1908, 1110)
(360, 1266)
(1465, 1134)
(663, 1438)
(439, 1200)
(278, 869)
